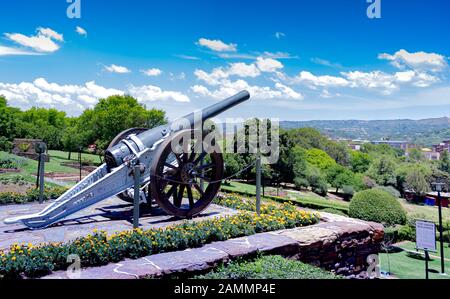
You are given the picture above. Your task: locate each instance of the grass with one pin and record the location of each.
(425, 212)
(303, 199)
(62, 156)
(405, 267)
(268, 267)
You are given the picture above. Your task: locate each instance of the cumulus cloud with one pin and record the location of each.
(217, 45)
(74, 98)
(269, 65)
(117, 69)
(43, 41)
(150, 93)
(5, 51)
(71, 98)
(325, 81)
(81, 31)
(228, 88)
(153, 72)
(417, 61)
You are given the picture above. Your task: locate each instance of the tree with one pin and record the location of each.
(115, 114)
(316, 180)
(403, 170)
(299, 166)
(339, 152)
(444, 162)
(382, 171)
(319, 159)
(416, 181)
(338, 176)
(8, 119)
(73, 139)
(415, 155)
(360, 162)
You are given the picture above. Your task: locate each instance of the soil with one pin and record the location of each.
(15, 188)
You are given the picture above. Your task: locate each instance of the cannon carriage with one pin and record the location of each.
(179, 172)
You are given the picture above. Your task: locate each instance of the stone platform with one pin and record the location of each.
(112, 215)
(340, 246)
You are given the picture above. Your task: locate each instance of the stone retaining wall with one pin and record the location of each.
(341, 245)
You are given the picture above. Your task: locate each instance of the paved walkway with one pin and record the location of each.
(112, 215)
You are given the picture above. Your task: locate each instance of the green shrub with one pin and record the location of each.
(5, 144)
(334, 211)
(268, 267)
(406, 233)
(378, 206)
(31, 195)
(348, 192)
(321, 188)
(9, 161)
(391, 190)
(13, 180)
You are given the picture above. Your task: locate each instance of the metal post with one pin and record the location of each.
(41, 177)
(427, 257)
(441, 240)
(79, 161)
(137, 190)
(258, 185)
(38, 170)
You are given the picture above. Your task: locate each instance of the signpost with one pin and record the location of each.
(40, 148)
(426, 240)
(438, 188)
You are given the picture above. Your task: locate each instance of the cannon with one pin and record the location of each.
(179, 172)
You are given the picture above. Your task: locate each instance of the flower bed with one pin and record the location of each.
(31, 195)
(100, 249)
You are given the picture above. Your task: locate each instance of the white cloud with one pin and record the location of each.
(326, 62)
(187, 57)
(75, 98)
(153, 72)
(117, 69)
(217, 45)
(325, 81)
(5, 51)
(70, 98)
(42, 42)
(243, 70)
(50, 33)
(81, 31)
(150, 93)
(417, 61)
(268, 64)
(279, 35)
(228, 88)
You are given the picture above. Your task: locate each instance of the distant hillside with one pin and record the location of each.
(424, 131)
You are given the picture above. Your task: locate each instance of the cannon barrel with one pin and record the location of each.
(116, 155)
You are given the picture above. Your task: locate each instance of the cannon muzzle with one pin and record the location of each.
(116, 155)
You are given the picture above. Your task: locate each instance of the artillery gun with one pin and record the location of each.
(175, 162)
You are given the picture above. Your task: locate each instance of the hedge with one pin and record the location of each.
(378, 206)
(100, 249)
(269, 267)
(31, 195)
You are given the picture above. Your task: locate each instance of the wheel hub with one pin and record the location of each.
(188, 173)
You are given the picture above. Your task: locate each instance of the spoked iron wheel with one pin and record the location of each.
(185, 176)
(125, 196)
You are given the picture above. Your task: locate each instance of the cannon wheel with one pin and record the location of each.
(123, 135)
(177, 175)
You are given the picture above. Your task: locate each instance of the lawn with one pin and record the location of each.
(425, 212)
(305, 199)
(63, 156)
(405, 267)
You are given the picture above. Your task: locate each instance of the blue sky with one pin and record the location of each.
(300, 60)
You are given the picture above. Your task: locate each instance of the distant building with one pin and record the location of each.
(441, 147)
(430, 154)
(403, 145)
